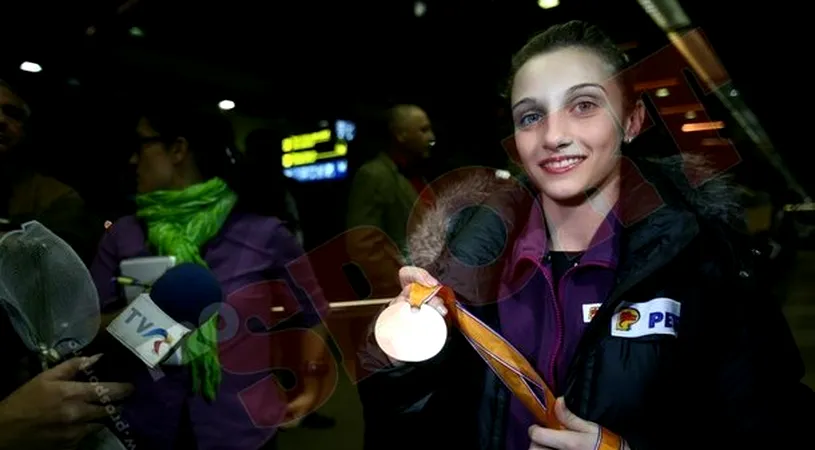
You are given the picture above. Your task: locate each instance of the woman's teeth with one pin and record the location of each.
(559, 164)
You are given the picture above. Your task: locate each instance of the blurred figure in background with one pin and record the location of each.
(27, 195)
(188, 207)
(270, 192)
(383, 194)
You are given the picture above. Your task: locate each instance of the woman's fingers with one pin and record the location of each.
(436, 302)
(412, 274)
(438, 305)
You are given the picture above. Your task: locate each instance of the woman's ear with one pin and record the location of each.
(179, 150)
(634, 121)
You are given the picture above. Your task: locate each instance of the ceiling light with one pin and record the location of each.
(29, 66)
(663, 92)
(690, 115)
(547, 4)
(136, 32)
(226, 105)
(702, 126)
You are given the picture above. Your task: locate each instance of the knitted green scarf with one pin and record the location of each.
(179, 223)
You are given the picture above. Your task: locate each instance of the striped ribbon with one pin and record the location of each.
(506, 361)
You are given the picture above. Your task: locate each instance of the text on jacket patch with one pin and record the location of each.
(657, 316)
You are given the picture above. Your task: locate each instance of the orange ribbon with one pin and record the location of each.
(608, 440)
(506, 361)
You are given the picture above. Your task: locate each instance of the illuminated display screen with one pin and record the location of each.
(319, 155)
(345, 130)
(306, 141)
(329, 170)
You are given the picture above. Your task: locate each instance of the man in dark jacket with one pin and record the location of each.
(49, 409)
(27, 195)
(384, 192)
(726, 376)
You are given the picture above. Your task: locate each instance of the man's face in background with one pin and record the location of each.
(413, 131)
(12, 118)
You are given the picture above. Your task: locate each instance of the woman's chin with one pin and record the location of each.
(565, 194)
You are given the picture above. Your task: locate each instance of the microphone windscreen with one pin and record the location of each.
(185, 291)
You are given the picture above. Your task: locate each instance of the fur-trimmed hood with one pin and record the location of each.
(478, 213)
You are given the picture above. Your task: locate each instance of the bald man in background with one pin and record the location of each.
(383, 194)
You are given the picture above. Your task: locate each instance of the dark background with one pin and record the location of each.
(288, 65)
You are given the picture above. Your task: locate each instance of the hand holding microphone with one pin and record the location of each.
(53, 411)
(52, 304)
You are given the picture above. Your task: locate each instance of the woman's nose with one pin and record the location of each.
(554, 132)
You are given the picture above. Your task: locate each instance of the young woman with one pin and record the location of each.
(627, 290)
(186, 165)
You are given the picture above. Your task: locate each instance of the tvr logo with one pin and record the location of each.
(146, 329)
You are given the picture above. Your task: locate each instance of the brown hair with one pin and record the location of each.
(569, 35)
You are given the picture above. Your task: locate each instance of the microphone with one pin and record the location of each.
(46, 292)
(188, 296)
(155, 325)
(173, 323)
(186, 291)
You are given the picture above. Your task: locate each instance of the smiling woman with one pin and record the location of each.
(612, 280)
(570, 112)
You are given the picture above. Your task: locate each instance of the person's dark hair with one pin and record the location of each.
(210, 138)
(13, 90)
(570, 35)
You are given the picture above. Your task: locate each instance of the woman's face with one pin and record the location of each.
(567, 109)
(153, 160)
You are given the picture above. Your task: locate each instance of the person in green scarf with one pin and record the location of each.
(188, 206)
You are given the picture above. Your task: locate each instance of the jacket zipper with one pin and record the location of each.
(558, 328)
(555, 354)
(601, 316)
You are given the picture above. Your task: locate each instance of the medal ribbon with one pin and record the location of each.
(505, 360)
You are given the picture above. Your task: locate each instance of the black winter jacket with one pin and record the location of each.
(730, 379)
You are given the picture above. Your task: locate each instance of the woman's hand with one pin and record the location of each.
(54, 411)
(578, 435)
(409, 275)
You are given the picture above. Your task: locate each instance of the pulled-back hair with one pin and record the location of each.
(575, 34)
(210, 137)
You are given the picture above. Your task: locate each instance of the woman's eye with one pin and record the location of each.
(584, 107)
(529, 119)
